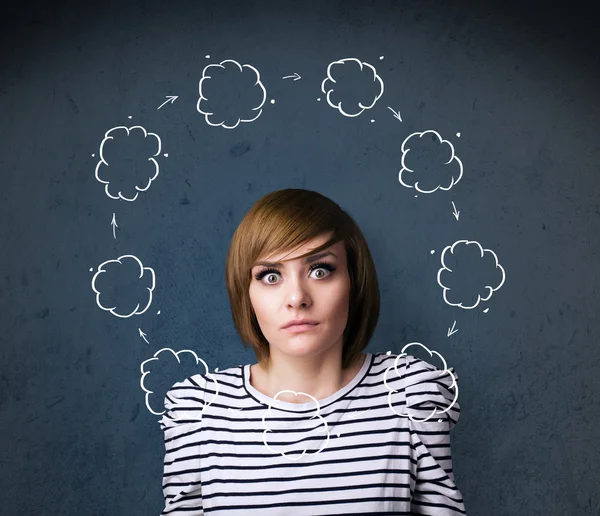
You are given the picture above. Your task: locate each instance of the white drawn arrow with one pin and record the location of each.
(170, 98)
(456, 213)
(396, 114)
(452, 331)
(143, 335)
(295, 76)
(114, 225)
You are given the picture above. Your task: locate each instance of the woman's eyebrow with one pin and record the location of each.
(309, 259)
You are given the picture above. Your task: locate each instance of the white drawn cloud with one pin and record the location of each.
(277, 447)
(156, 363)
(143, 283)
(450, 280)
(402, 372)
(429, 164)
(224, 76)
(328, 86)
(111, 160)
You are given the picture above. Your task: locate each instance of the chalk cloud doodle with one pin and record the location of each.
(459, 261)
(403, 372)
(240, 81)
(269, 427)
(114, 167)
(163, 359)
(141, 283)
(334, 90)
(429, 163)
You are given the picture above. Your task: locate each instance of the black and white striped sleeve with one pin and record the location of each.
(181, 424)
(435, 491)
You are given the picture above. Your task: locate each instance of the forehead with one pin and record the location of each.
(336, 250)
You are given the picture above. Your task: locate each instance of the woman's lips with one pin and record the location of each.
(299, 328)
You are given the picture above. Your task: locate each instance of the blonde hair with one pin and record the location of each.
(286, 219)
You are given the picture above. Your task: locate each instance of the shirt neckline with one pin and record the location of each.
(310, 405)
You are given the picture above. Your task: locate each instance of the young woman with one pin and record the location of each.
(316, 426)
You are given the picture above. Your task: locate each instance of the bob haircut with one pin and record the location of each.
(284, 220)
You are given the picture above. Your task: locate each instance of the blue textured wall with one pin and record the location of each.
(520, 85)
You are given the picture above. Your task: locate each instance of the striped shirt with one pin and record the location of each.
(231, 450)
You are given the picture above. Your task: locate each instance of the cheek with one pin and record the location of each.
(262, 306)
(342, 308)
(339, 304)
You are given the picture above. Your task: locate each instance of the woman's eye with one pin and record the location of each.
(317, 269)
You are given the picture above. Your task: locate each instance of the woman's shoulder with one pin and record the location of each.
(185, 401)
(411, 365)
(430, 388)
(194, 385)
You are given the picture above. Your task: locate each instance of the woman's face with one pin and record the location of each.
(297, 289)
